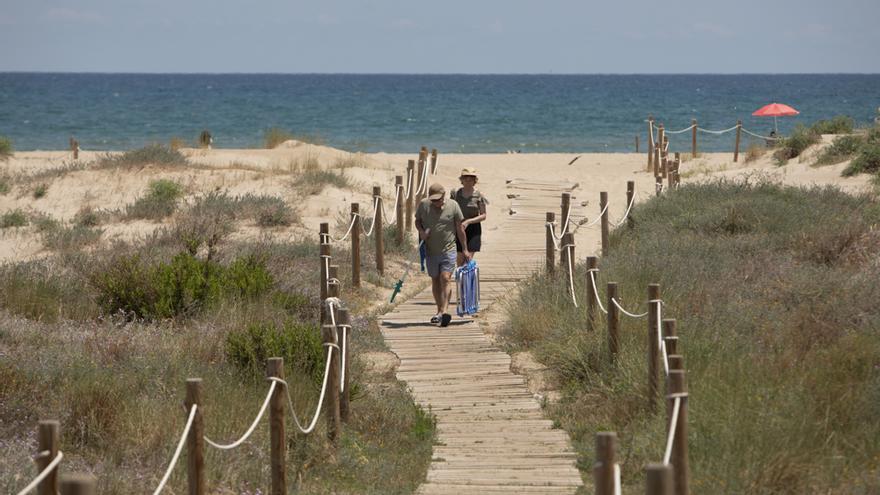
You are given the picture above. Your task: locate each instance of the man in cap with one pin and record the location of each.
(439, 225)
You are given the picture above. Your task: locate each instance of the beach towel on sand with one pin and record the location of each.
(467, 282)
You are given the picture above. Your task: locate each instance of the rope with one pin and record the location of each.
(423, 184)
(249, 430)
(45, 473)
(409, 173)
(331, 302)
(716, 132)
(396, 198)
(679, 132)
(567, 220)
(320, 399)
(617, 489)
(595, 290)
(759, 136)
(632, 200)
(661, 344)
(570, 275)
(189, 422)
(373, 221)
(672, 426)
(342, 353)
(354, 217)
(594, 222)
(627, 312)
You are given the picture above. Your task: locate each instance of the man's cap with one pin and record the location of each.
(467, 171)
(436, 191)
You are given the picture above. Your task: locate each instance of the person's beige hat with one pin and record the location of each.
(436, 191)
(467, 171)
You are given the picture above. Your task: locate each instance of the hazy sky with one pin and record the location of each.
(445, 36)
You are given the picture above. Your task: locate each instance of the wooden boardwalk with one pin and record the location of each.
(492, 434)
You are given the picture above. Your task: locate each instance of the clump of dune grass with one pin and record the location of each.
(5, 186)
(40, 191)
(159, 202)
(841, 149)
(754, 152)
(73, 237)
(176, 143)
(275, 136)
(781, 357)
(13, 218)
(6, 148)
(312, 182)
(795, 144)
(154, 154)
(840, 124)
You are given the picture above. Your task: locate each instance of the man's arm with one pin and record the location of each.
(462, 238)
(423, 232)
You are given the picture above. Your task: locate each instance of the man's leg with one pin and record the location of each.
(438, 290)
(445, 291)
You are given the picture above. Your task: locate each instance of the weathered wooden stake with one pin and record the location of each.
(603, 202)
(378, 231)
(344, 321)
(670, 331)
(661, 138)
(676, 362)
(679, 459)
(324, 275)
(654, 353)
(410, 174)
(630, 192)
(592, 264)
(551, 246)
(333, 282)
(48, 440)
(334, 418)
(613, 321)
(664, 165)
(650, 143)
(78, 484)
(277, 437)
(420, 173)
(356, 245)
(658, 479)
(565, 212)
(433, 161)
(637, 143)
(195, 442)
(606, 457)
(656, 159)
(739, 125)
(673, 171)
(671, 345)
(567, 257)
(694, 138)
(398, 208)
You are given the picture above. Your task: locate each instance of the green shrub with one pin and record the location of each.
(87, 217)
(40, 290)
(801, 139)
(71, 238)
(14, 218)
(5, 187)
(840, 124)
(841, 149)
(6, 148)
(183, 286)
(313, 181)
(40, 191)
(277, 214)
(159, 202)
(298, 343)
(867, 161)
(275, 136)
(154, 154)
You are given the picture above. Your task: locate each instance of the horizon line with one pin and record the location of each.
(209, 73)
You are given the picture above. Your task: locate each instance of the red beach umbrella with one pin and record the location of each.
(775, 110)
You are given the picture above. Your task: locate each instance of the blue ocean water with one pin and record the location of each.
(399, 113)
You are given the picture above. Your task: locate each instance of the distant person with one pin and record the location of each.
(771, 139)
(473, 206)
(205, 139)
(877, 118)
(440, 224)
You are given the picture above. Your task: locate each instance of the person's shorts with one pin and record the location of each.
(473, 244)
(440, 263)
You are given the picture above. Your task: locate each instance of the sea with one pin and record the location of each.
(455, 113)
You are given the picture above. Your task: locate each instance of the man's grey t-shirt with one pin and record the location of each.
(441, 221)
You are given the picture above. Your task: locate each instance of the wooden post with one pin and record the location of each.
(324, 233)
(567, 255)
(78, 484)
(378, 230)
(650, 143)
(565, 210)
(334, 418)
(333, 282)
(195, 442)
(673, 169)
(551, 246)
(603, 202)
(664, 165)
(694, 138)
(630, 192)
(324, 275)
(410, 178)
(658, 184)
(606, 458)
(670, 331)
(656, 159)
(654, 353)
(277, 437)
(433, 161)
(658, 479)
(637, 143)
(398, 208)
(613, 321)
(676, 362)
(679, 459)
(739, 125)
(344, 337)
(48, 440)
(420, 173)
(671, 345)
(356, 245)
(592, 264)
(661, 139)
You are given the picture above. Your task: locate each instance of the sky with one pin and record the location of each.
(446, 36)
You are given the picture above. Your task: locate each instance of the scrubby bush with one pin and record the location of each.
(6, 148)
(313, 181)
(43, 291)
(841, 149)
(867, 161)
(159, 202)
(298, 343)
(840, 124)
(87, 217)
(14, 218)
(801, 139)
(154, 154)
(277, 214)
(70, 238)
(4, 185)
(40, 191)
(275, 136)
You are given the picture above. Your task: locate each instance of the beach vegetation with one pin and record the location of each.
(176, 143)
(13, 218)
(275, 136)
(6, 148)
(313, 181)
(159, 202)
(87, 217)
(840, 124)
(40, 191)
(5, 185)
(754, 152)
(792, 146)
(70, 238)
(298, 343)
(866, 161)
(781, 358)
(153, 154)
